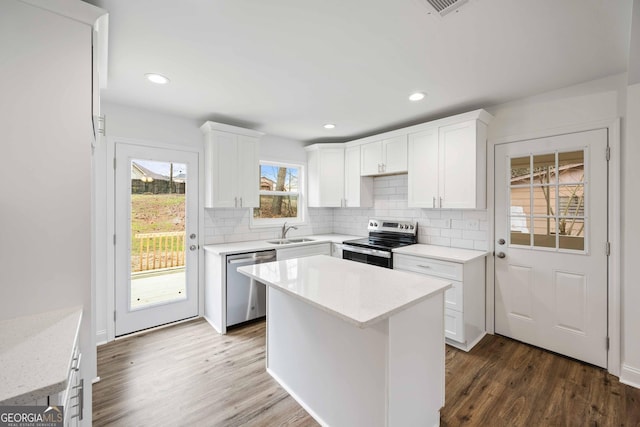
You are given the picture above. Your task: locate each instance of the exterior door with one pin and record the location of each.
(156, 237)
(551, 239)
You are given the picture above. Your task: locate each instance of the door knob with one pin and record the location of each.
(193, 247)
(501, 242)
(501, 255)
(192, 235)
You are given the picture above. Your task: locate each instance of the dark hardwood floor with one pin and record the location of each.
(188, 375)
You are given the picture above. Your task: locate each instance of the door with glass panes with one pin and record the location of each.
(156, 211)
(551, 236)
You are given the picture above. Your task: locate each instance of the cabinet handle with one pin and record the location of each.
(240, 201)
(384, 167)
(440, 201)
(434, 201)
(235, 202)
(424, 266)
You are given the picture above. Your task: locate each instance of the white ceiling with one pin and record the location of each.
(286, 67)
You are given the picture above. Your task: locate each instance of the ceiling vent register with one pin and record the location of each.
(445, 6)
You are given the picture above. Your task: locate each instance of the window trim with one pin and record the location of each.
(302, 207)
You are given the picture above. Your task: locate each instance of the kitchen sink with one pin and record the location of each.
(288, 241)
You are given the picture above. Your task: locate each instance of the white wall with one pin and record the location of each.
(45, 199)
(631, 234)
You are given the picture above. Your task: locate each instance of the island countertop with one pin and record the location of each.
(358, 293)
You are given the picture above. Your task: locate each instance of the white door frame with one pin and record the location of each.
(613, 127)
(110, 226)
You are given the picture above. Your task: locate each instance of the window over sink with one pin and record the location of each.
(280, 195)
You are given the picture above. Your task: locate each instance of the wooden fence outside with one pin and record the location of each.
(154, 251)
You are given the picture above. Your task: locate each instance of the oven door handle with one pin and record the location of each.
(365, 251)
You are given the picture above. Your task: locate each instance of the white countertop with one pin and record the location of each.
(358, 293)
(35, 354)
(261, 245)
(441, 252)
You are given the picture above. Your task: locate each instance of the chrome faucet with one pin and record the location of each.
(285, 229)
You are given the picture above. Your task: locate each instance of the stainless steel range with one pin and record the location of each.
(384, 235)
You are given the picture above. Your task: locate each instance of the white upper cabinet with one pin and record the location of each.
(423, 169)
(232, 166)
(371, 158)
(384, 157)
(447, 165)
(358, 189)
(334, 177)
(325, 172)
(462, 166)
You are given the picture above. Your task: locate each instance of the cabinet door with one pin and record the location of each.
(457, 174)
(221, 167)
(358, 190)
(326, 177)
(394, 154)
(423, 169)
(371, 158)
(331, 177)
(248, 172)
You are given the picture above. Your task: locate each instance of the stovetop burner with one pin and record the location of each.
(376, 243)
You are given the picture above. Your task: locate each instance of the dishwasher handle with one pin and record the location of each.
(253, 260)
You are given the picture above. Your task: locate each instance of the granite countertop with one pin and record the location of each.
(35, 354)
(443, 253)
(261, 245)
(358, 293)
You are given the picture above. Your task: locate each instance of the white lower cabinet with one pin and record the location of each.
(72, 397)
(303, 251)
(464, 312)
(336, 250)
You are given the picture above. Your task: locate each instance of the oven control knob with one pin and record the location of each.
(370, 224)
(402, 227)
(411, 227)
(375, 224)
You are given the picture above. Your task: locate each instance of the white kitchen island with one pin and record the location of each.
(354, 344)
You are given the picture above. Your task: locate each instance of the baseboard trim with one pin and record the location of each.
(630, 376)
(101, 338)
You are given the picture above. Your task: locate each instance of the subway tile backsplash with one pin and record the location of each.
(232, 225)
(442, 227)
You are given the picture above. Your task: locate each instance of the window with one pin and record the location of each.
(547, 197)
(280, 194)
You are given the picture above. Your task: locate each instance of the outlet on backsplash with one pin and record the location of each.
(472, 224)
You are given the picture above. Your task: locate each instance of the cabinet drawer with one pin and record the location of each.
(430, 267)
(453, 297)
(454, 325)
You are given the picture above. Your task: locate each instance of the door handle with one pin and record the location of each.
(193, 247)
(192, 236)
(501, 255)
(501, 242)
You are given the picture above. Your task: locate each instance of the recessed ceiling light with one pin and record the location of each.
(418, 96)
(157, 78)
(329, 126)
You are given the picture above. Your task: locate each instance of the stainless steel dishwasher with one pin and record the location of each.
(246, 297)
